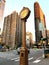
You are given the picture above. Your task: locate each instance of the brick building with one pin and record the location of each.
(12, 30)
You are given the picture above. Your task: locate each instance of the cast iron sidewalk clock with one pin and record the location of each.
(24, 14)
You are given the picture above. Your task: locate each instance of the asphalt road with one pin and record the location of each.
(34, 58)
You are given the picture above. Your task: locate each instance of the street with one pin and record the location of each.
(35, 57)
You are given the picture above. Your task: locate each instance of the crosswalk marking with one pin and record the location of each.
(15, 58)
(36, 61)
(18, 58)
(30, 58)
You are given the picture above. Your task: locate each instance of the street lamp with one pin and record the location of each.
(24, 14)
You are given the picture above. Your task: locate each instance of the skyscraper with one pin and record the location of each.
(12, 30)
(40, 23)
(2, 5)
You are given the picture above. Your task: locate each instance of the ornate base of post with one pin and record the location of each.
(23, 56)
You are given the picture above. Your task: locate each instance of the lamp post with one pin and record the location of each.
(24, 14)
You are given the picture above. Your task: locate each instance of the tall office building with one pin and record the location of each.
(40, 23)
(2, 6)
(12, 30)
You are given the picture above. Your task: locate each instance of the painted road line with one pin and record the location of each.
(18, 59)
(37, 61)
(38, 58)
(30, 58)
(15, 58)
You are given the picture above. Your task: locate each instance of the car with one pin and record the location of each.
(28, 50)
(18, 50)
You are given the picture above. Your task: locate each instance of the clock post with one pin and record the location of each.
(24, 14)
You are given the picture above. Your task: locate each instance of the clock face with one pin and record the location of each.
(24, 13)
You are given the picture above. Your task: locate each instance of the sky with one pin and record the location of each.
(17, 5)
